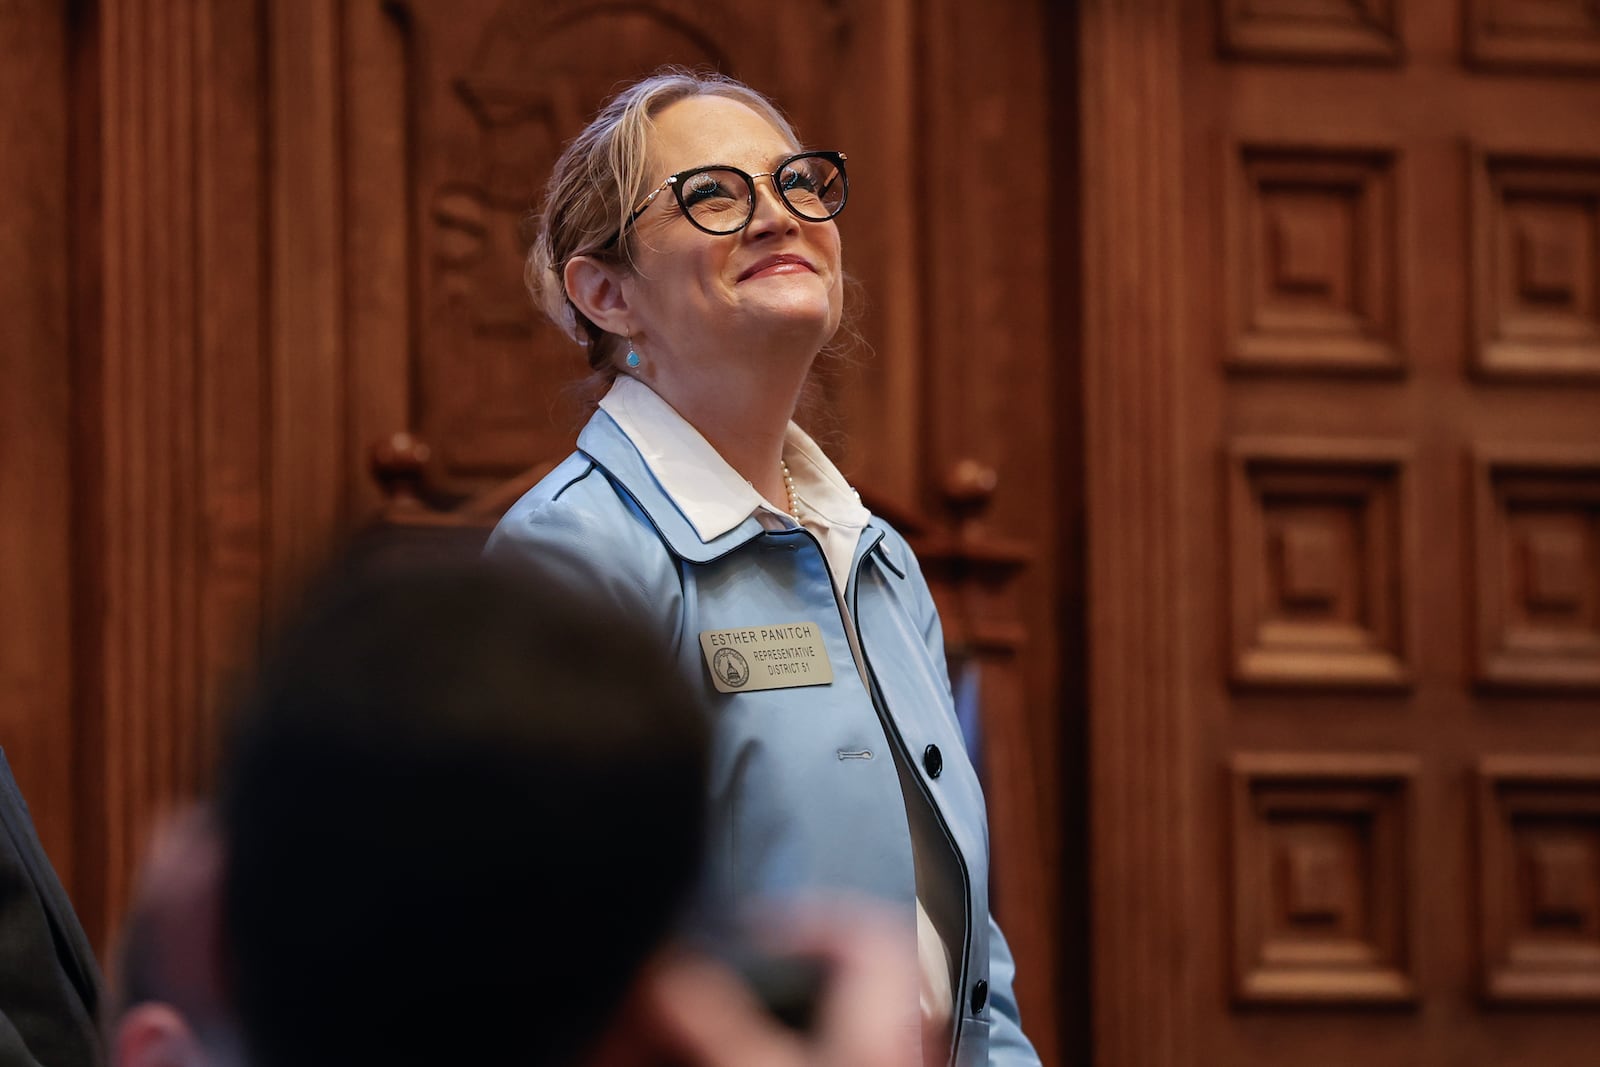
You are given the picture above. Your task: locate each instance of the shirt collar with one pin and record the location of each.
(712, 496)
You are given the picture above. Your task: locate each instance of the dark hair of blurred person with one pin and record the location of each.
(462, 809)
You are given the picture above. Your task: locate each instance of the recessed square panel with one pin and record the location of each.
(1315, 261)
(1321, 870)
(1538, 558)
(1348, 31)
(1538, 36)
(1536, 266)
(1539, 854)
(1318, 576)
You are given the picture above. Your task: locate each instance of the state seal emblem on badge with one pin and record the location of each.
(730, 668)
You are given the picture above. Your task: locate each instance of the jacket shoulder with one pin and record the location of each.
(576, 525)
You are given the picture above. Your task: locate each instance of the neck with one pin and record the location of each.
(743, 408)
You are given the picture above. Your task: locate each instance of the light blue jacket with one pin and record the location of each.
(796, 806)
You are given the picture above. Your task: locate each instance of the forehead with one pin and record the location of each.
(714, 129)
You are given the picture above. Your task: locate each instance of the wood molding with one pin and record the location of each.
(988, 374)
(380, 328)
(144, 444)
(36, 572)
(1133, 354)
(167, 365)
(308, 453)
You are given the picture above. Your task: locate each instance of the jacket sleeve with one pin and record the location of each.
(1008, 1045)
(49, 986)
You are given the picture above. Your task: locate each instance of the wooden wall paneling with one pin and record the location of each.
(993, 355)
(495, 91)
(36, 530)
(309, 451)
(874, 389)
(230, 201)
(1134, 352)
(141, 456)
(379, 237)
(1489, 239)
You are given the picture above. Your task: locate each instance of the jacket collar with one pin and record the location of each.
(604, 443)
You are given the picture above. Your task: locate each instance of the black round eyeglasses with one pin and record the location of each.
(720, 199)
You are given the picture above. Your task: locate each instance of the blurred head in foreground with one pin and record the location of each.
(462, 809)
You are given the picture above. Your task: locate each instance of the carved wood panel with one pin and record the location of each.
(1539, 879)
(495, 91)
(1322, 880)
(1537, 268)
(1383, 271)
(1320, 534)
(1538, 567)
(492, 92)
(1315, 260)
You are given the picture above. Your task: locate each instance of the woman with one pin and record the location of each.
(690, 243)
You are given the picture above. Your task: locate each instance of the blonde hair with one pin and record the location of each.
(597, 182)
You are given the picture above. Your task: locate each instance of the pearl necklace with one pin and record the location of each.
(788, 484)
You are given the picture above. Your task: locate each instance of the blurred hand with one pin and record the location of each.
(867, 1015)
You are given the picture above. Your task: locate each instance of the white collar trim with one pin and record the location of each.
(709, 492)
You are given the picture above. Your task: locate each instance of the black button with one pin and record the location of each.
(980, 996)
(933, 761)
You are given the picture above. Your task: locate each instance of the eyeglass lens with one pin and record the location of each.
(722, 199)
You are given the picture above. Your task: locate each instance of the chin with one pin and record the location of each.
(796, 314)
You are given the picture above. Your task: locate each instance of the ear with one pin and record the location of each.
(156, 1035)
(595, 289)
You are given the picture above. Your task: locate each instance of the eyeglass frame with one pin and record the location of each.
(675, 183)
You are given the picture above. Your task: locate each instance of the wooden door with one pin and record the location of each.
(1376, 706)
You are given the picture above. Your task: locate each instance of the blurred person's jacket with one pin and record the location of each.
(49, 982)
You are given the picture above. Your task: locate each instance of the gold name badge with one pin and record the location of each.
(753, 658)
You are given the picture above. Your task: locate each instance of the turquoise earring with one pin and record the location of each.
(632, 359)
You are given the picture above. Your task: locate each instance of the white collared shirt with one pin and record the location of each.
(715, 498)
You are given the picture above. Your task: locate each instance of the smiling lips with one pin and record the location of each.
(785, 264)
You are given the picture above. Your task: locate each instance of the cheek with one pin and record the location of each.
(835, 248)
(835, 300)
(709, 265)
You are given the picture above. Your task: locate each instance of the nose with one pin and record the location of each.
(769, 215)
